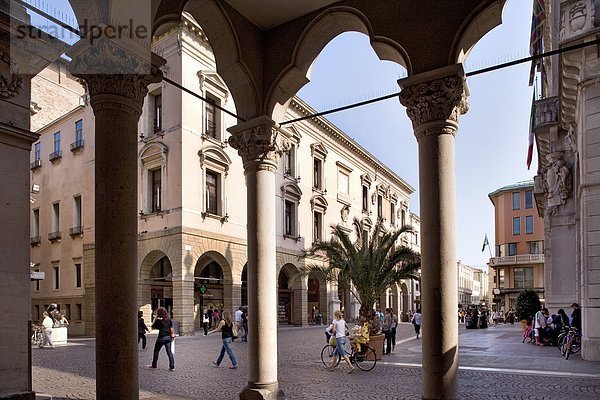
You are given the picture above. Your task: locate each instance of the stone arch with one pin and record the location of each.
(405, 300)
(318, 33)
(213, 284)
(155, 283)
(286, 300)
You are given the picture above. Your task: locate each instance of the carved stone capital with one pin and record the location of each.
(260, 142)
(434, 103)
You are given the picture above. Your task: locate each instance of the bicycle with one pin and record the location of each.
(364, 359)
(37, 337)
(571, 343)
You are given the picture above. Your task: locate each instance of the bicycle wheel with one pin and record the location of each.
(365, 360)
(560, 342)
(327, 354)
(576, 345)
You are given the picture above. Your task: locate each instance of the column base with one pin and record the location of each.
(260, 391)
(590, 349)
(19, 396)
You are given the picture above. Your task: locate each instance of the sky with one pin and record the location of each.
(492, 141)
(491, 144)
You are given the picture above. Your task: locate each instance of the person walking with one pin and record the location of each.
(393, 328)
(245, 324)
(205, 321)
(47, 324)
(166, 335)
(142, 329)
(216, 316)
(225, 326)
(386, 329)
(339, 331)
(416, 321)
(238, 321)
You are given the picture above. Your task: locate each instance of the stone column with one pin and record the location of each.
(260, 143)
(434, 101)
(117, 103)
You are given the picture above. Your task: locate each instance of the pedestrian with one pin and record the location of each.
(142, 329)
(47, 324)
(205, 321)
(238, 321)
(576, 316)
(216, 317)
(540, 320)
(339, 332)
(393, 328)
(386, 329)
(416, 321)
(166, 335)
(495, 317)
(210, 320)
(245, 324)
(225, 326)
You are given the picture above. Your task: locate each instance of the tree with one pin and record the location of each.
(527, 305)
(368, 266)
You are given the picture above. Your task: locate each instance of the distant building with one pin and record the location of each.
(472, 286)
(519, 249)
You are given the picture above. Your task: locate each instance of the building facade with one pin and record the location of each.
(192, 236)
(519, 249)
(567, 188)
(472, 285)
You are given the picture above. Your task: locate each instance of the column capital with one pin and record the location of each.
(260, 142)
(126, 88)
(434, 100)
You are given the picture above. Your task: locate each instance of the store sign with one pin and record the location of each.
(203, 289)
(37, 276)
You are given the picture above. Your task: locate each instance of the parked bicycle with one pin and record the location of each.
(570, 343)
(364, 359)
(37, 337)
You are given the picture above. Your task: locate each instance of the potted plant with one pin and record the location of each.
(527, 304)
(367, 266)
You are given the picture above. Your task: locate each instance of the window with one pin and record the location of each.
(523, 278)
(36, 223)
(57, 142)
(212, 117)
(55, 278)
(516, 201)
(392, 213)
(512, 249)
(536, 247)
(77, 214)
(317, 173)
(403, 217)
(501, 278)
(56, 218)
(78, 275)
(68, 311)
(37, 151)
(379, 206)
(529, 224)
(317, 226)
(343, 183)
(78, 315)
(289, 161)
(516, 226)
(157, 122)
(528, 199)
(289, 217)
(365, 199)
(212, 192)
(155, 189)
(79, 131)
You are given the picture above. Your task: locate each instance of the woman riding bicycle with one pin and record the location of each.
(339, 332)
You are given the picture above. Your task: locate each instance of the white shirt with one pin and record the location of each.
(238, 315)
(47, 322)
(340, 328)
(417, 318)
(540, 320)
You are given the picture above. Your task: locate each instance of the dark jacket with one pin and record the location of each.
(142, 328)
(163, 327)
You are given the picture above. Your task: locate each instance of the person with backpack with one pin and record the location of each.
(166, 335)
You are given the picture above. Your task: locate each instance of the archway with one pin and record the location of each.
(405, 302)
(155, 283)
(316, 296)
(209, 290)
(285, 299)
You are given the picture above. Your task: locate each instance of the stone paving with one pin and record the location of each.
(494, 364)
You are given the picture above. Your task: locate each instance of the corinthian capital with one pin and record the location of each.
(259, 142)
(434, 100)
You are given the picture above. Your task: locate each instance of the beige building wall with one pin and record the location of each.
(192, 256)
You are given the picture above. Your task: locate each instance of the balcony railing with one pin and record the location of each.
(36, 164)
(77, 145)
(35, 240)
(56, 155)
(76, 230)
(54, 236)
(516, 260)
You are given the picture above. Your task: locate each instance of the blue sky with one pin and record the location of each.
(491, 144)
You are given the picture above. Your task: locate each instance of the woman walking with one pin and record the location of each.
(416, 320)
(393, 328)
(387, 331)
(226, 328)
(339, 331)
(165, 336)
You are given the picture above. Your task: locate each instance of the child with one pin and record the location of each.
(360, 335)
(527, 331)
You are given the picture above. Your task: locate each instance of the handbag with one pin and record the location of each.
(171, 330)
(172, 347)
(234, 330)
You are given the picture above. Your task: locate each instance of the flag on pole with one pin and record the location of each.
(535, 40)
(485, 243)
(531, 131)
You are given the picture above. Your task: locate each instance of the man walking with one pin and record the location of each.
(47, 324)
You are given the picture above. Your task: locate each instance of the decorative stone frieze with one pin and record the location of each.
(431, 102)
(556, 183)
(576, 19)
(259, 141)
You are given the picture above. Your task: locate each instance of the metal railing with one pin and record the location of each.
(77, 145)
(518, 259)
(52, 236)
(76, 230)
(36, 164)
(55, 155)
(35, 240)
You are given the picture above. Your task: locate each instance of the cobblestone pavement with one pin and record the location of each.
(494, 364)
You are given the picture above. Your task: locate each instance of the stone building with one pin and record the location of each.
(472, 285)
(263, 52)
(519, 250)
(567, 188)
(192, 242)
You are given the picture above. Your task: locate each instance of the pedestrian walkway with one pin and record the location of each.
(494, 364)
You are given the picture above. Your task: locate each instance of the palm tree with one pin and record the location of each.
(367, 266)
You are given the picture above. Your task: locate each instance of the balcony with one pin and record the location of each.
(54, 236)
(517, 260)
(36, 164)
(76, 230)
(77, 145)
(546, 114)
(57, 155)
(35, 240)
